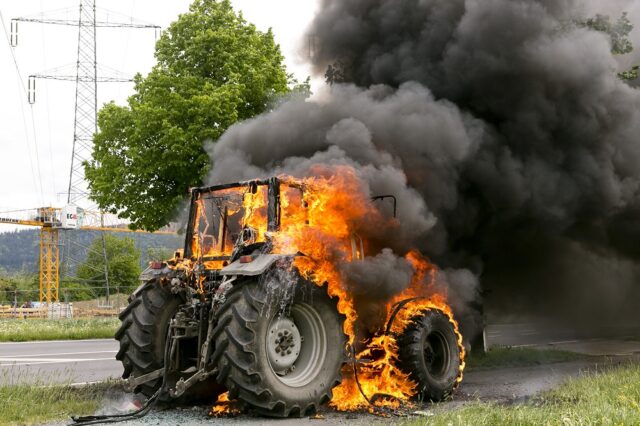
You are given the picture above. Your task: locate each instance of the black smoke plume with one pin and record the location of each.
(502, 128)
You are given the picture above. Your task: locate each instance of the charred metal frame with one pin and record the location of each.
(273, 206)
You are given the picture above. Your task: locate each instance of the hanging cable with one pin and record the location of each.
(36, 177)
(46, 89)
(125, 50)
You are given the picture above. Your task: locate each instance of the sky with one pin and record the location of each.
(36, 140)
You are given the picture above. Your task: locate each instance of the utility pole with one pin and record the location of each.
(106, 260)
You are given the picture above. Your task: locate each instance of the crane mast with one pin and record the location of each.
(51, 220)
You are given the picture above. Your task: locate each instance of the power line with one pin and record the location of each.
(48, 107)
(125, 50)
(86, 73)
(24, 120)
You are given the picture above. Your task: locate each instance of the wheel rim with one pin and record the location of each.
(297, 345)
(436, 354)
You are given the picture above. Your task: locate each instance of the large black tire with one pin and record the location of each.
(251, 319)
(142, 337)
(429, 352)
(143, 332)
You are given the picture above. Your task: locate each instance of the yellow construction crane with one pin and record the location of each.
(51, 220)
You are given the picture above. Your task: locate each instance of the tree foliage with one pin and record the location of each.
(123, 260)
(213, 69)
(21, 286)
(19, 250)
(618, 33)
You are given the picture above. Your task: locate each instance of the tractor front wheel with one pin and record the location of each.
(429, 352)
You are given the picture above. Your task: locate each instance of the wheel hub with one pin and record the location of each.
(283, 345)
(436, 352)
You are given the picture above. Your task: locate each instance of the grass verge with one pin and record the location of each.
(29, 404)
(519, 357)
(15, 330)
(606, 398)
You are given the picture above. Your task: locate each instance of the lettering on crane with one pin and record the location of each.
(69, 217)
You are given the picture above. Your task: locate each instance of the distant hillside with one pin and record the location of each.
(19, 249)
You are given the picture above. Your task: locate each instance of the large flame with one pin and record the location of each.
(326, 218)
(324, 227)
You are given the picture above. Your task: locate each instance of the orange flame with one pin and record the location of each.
(223, 406)
(326, 217)
(323, 227)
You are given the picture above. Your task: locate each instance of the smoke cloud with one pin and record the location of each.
(374, 281)
(504, 132)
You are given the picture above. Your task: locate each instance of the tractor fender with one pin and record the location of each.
(257, 266)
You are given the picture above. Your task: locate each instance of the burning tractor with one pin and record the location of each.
(254, 305)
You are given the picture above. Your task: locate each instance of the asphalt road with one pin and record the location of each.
(540, 333)
(82, 361)
(73, 361)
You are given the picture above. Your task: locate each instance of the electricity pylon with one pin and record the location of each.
(87, 74)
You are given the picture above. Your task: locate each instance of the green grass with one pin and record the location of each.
(15, 330)
(609, 398)
(519, 357)
(29, 404)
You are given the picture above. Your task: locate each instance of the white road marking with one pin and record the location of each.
(13, 362)
(56, 354)
(30, 342)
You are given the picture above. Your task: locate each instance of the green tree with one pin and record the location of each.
(123, 260)
(213, 69)
(618, 33)
(22, 286)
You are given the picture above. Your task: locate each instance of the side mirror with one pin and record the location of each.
(383, 197)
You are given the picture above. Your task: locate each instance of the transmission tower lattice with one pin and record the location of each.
(87, 74)
(85, 123)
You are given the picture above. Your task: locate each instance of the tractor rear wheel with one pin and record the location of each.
(142, 338)
(429, 352)
(143, 332)
(280, 355)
